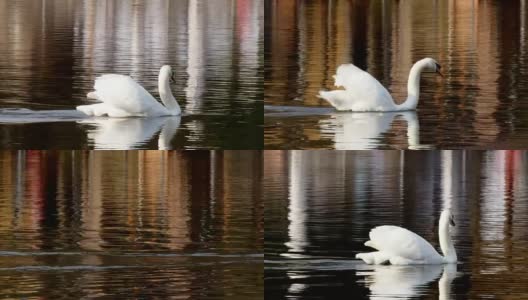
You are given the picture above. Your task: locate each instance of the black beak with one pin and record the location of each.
(438, 67)
(452, 221)
(172, 80)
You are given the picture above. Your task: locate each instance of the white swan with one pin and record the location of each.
(399, 246)
(364, 93)
(122, 97)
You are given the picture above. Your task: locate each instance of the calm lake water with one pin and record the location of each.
(321, 205)
(148, 224)
(52, 50)
(482, 102)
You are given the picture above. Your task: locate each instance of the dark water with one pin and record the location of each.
(149, 224)
(482, 101)
(320, 206)
(52, 50)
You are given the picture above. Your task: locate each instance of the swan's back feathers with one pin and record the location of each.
(362, 91)
(347, 76)
(400, 242)
(356, 80)
(124, 93)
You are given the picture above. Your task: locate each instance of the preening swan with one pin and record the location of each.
(122, 97)
(364, 93)
(399, 246)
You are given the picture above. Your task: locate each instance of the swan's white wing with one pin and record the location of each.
(354, 79)
(402, 243)
(125, 94)
(363, 92)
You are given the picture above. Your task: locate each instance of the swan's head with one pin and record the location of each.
(433, 65)
(166, 72)
(447, 216)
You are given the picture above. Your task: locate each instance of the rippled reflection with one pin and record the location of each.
(52, 50)
(406, 282)
(320, 206)
(132, 133)
(481, 46)
(160, 223)
(343, 130)
(359, 131)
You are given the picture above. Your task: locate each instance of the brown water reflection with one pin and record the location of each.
(320, 206)
(188, 224)
(481, 102)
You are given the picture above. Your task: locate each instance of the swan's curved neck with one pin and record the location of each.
(413, 87)
(166, 94)
(446, 244)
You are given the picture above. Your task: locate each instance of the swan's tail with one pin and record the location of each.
(103, 109)
(374, 258)
(337, 98)
(93, 95)
(86, 109)
(370, 244)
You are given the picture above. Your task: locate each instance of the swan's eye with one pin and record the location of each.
(438, 67)
(452, 221)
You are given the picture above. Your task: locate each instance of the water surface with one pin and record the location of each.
(482, 102)
(321, 205)
(145, 224)
(52, 51)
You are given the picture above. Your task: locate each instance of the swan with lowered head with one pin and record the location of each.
(121, 97)
(364, 93)
(399, 246)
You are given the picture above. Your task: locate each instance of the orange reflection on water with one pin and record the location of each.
(137, 199)
(162, 223)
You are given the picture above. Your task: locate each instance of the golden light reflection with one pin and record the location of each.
(164, 219)
(145, 199)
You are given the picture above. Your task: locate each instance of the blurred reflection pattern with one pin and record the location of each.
(321, 205)
(155, 222)
(481, 45)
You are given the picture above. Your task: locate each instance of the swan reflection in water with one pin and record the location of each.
(404, 282)
(103, 132)
(131, 133)
(353, 130)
